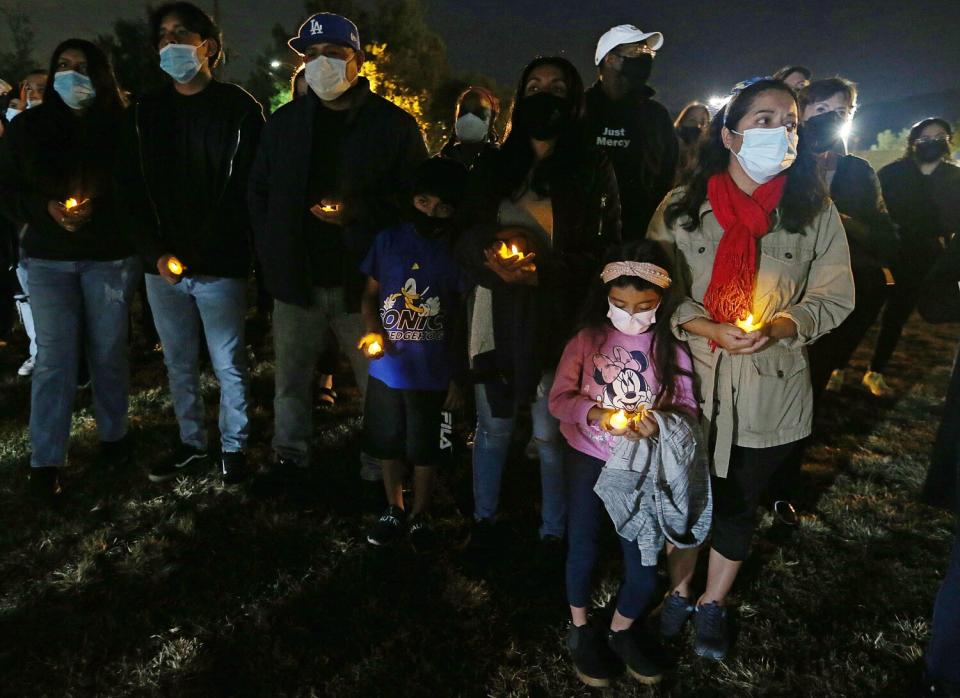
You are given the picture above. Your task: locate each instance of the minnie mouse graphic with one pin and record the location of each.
(622, 377)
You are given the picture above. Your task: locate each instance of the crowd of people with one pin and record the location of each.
(664, 300)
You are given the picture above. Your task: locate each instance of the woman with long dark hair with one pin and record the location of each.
(922, 191)
(763, 260)
(546, 196)
(56, 177)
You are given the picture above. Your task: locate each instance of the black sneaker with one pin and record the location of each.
(233, 467)
(674, 612)
(640, 665)
(713, 635)
(423, 537)
(184, 457)
(388, 527)
(282, 475)
(593, 660)
(117, 454)
(483, 536)
(45, 484)
(785, 513)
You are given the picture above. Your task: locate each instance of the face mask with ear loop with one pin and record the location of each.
(180, 61)
(634, 324)
(766, 152)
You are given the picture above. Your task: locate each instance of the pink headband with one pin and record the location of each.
(644, 270)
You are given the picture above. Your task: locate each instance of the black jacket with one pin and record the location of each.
(637, 135)
(926, 207)
(382, 146)
(183, 173)
(532, 324)
(871, 232)
(940, 302)
(48, 154)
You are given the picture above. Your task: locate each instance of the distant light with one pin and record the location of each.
(846, 130)
(275, 64)
(717, 103)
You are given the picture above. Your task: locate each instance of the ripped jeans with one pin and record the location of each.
(70, 298)
(492, 446)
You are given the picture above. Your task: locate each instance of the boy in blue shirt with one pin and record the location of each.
(409, 307)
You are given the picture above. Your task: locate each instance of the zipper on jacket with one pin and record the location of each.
(236, 149)
(603, 207)
(143, 168)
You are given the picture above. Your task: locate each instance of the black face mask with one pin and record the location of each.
(822, 132)
(637, 70)
(930, 151)
(543, 115)
(429, 227)
(689, 134)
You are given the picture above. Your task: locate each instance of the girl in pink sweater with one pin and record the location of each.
(622, 363)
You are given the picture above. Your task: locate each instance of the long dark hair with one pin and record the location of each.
(516, 156)
(108, 104)
(805, 194)
(665, 346)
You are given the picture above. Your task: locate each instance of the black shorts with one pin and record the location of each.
(404, 424)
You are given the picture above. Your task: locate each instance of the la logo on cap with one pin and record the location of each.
(315, 27)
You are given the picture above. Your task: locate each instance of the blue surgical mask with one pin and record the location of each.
(766, 152)
(11, 112)
(75, 89)
(180, 62)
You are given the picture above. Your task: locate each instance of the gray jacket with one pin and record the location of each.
(659, 488)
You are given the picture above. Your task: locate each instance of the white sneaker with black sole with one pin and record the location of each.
(184, 457)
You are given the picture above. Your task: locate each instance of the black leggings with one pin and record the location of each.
(902, 301)
(736, 496)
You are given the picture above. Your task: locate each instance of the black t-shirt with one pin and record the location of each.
(324, 241)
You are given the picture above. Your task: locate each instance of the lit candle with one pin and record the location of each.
(70, 203)
(371, 345)
(175, 266)
(511, 252)
(619, 420)
(748, 324)
(374, 348)
(330, 208)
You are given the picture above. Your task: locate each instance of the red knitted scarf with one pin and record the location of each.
(744, 219)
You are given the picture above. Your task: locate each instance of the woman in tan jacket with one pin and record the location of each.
(762, 257)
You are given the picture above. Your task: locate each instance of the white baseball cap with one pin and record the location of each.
(625, 34)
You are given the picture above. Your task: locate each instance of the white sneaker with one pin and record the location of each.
(835, 384)
(875, 383)
(26, 369)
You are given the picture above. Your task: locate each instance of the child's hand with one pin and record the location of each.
(454, 399)
(371, 344)
(646, 426)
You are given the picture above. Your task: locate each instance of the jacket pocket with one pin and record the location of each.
(779, 394)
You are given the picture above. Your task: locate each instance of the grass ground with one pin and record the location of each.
(191, 590)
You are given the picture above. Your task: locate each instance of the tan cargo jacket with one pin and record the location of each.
(761, 399)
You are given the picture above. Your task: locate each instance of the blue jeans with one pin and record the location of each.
(70, 298)
(587, 516)
(943, 653)
(490, 450)
(301, 335)
(220, 305)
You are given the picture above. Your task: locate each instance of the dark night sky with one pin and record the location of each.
(892, 48)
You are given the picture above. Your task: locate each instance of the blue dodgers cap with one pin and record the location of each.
(326, 27)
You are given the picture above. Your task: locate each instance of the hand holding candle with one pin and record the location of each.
(175, 266)
(512, 252)
(371, 345)
(748, 324)
(328, 211)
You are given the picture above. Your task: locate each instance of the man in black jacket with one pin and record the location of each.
(184, 174)
(326, 180)
(633, 129)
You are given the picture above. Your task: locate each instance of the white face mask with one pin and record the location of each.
(470, 128)
(11, 112)
(635, 324)
(327, 77)
(766, 152)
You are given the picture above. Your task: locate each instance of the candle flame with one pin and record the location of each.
(330, 208)
(619, 420)
(374, 348)
(748, 325)
(509, 252)
(175, 266)
(70, 203)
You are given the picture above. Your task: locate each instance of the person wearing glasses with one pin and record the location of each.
(474, 127)
(328, 176)
(922, 191)
(634, 130)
